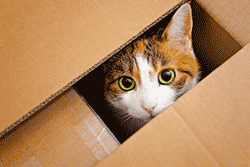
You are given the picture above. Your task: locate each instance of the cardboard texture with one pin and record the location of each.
(45, 45)
(65, 133)
(208, 126)
(232, 15)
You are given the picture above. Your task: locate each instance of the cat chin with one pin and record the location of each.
(146, 120)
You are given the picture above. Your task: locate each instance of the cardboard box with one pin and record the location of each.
(46, 47)
(64, 133)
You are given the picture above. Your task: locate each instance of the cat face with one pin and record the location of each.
(143, 81)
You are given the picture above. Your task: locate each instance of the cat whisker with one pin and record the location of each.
(126, 118)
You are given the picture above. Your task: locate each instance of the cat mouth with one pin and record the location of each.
(147, 119)
(151, 115)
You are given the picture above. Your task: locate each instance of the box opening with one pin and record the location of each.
(212, 46)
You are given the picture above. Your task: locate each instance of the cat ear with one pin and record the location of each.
(179, 29)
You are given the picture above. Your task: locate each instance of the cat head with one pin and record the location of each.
(149, 76)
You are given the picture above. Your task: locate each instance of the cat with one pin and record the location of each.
(151, 74)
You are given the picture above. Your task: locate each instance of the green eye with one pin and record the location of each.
(126, 83)
(166, 77)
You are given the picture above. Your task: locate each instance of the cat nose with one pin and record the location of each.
(149, 110)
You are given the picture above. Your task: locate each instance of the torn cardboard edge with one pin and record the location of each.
(46, 101)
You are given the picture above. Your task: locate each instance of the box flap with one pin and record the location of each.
(208, 126)
(65, 133)
(232, 15)
(44, 45)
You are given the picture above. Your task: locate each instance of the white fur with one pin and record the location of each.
(150, 94)
(179, 29)
(178, 23)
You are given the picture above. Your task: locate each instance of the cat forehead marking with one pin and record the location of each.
(145, 69)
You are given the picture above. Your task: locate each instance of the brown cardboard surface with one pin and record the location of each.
(45, 45)
(208, 126)
(232, 15)
(217, 111)
(65, 133)
(211, 43)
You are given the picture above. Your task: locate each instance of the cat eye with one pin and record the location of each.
(126, 83)
(166, 77)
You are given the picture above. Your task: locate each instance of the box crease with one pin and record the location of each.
(194, 134)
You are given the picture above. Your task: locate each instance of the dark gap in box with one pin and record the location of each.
(212, 46)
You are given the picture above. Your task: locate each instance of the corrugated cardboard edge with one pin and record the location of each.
(46, 101)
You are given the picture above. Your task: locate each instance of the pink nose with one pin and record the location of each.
(149, 110)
